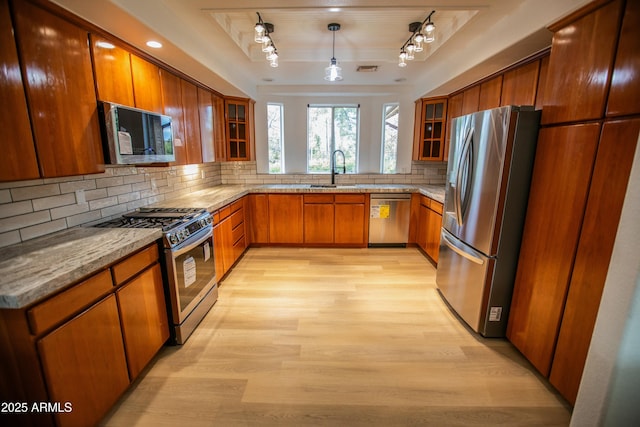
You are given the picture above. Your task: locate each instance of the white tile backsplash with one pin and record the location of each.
(68, 202)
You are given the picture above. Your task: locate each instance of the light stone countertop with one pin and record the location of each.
(32, 270)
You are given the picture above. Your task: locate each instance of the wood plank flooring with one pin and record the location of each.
(337, 337)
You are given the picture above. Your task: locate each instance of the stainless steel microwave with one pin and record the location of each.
(133, 136)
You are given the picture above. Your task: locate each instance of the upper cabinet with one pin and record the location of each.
(519, 85)
(125, 78)
(429, 140)
(172, 106)
(18, 160)
(582, 54)
(191, 117)
(625, 81)
(63, 108)
(239, 120)
(112, 69)
(490, 92)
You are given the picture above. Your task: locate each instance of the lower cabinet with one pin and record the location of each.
(84, 364)
(351, 220)
(229, 236)
(429, 223)
(285, 218)
(335, 219)
(91, 340)
(319, 218)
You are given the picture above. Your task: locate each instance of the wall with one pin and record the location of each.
(371, 100)
(30, 209)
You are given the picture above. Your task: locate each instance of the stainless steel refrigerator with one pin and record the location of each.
(487, 186)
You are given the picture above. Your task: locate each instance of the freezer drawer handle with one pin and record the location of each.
(460, 252)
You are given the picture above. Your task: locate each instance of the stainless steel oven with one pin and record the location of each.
(191, 273)
(189, 264)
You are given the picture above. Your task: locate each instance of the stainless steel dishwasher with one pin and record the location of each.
(389, 219)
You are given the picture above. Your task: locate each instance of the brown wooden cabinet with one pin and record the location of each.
(112, 71)
(351, 219)
(239, 128)
(91, 340)
(429, 223)
(519, 85)
(470, 100)
(18, 160)
(50, 46)
(191, 122)
(229, 236)
(145, 327)
(557, 198)
(319, 218)
(429, 140)
(582, 54)
(172, 106)
(258, 212)
(286, 218)
(597, 237)
(84, 364)
(624, 95)
(490, 93)
(147, 87)
(206, 121)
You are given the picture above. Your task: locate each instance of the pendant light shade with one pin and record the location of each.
(333, 73)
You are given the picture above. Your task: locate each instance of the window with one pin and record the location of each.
(275, 136)
(331, 128)
(389, 138)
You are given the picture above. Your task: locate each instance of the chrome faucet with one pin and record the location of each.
(333, 165)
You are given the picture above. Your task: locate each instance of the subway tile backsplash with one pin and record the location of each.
(34, 208)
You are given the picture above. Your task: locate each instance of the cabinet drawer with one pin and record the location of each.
(134, 264)
(436, 206)
(238, 248)
(237, 233)
(350, 198)
(237, 218)
(51, 312)
(237, 205)
(224, 212)
(318, 198)
(425, 201)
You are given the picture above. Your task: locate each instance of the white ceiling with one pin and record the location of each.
(212, 40)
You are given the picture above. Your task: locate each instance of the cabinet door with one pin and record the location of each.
(112, 70)
(84, 363)
(559, 188)
(285, 218)
(193, 146)
(490, 92)
(63, 105)
(519, 85)
(258, 205)
(423, 224)
(147, 89)
(470, 100)
(432, 132)
(228, 254)
(219, 141)
(318, 223)
(606, 196)
(582, 55)
(172, 106)
(144, 318)
(454, 109)
(542, 82)
(434, 224)
(239, 129)
(350, 225)
(218, 249)
(205, 117)
(18, 160)
(624, 94)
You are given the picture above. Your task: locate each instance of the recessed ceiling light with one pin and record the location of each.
(334, 9)
(154, 44)
(105, 45)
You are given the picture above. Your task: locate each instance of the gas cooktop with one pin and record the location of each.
(177, 224)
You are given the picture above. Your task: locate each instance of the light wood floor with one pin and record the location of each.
(350, 337)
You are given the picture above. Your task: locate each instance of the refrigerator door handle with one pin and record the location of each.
(464, 156)
(463, 253)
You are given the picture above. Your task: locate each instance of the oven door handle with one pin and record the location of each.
(191, 242)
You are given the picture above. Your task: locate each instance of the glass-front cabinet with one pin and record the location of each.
(239, 118)
(429, 131)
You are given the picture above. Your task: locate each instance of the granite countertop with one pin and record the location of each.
(32, 270)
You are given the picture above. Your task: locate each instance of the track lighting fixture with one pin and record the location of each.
(421, 32)
(262, 36)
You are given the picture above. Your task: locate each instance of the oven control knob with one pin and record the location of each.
(186, 233)
(203, 223)
(173, 239)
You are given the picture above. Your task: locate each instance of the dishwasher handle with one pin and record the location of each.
(391, 196)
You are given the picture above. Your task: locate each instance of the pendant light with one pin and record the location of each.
(333, 73)
(262, 35)
(421, 32)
